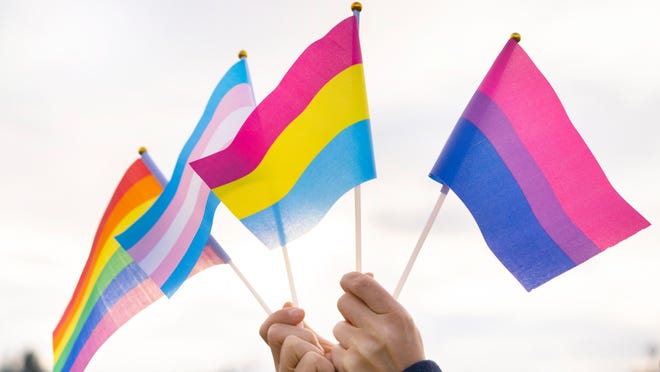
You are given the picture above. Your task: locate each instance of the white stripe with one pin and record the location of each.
(151, 262)
(227, 131)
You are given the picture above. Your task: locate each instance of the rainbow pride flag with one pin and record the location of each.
(168, 239)
(112, 287)
(539, 196)
(303, 147)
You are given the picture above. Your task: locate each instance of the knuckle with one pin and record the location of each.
(274, 334)
(362, 282)
(349, 280)
(337, 329)
(353, 363)
(288, 343)
(342, 302)
(263, 332)
(371, 347)
(400, 319)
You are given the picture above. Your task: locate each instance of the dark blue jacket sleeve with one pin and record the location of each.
(423, 366)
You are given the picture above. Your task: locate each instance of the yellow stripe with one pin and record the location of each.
(339, 104)
(107, 250)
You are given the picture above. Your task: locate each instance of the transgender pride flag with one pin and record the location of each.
(168, 239)
(112, 288)
(541, 200)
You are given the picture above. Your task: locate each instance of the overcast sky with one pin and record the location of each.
(84, 84)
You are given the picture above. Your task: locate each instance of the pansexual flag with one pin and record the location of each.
(303, 147)
(168, 239)
(541, 200)
(112, 288)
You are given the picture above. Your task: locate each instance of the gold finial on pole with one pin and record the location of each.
(356, 6)
(142, 150)
(242, 54)
(515, 36)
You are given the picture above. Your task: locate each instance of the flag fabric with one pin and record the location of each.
(540, 198)
(305, 145)
(112, 287)
(168, 239)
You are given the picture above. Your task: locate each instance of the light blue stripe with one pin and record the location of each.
(236, 75)
(344, 163)
(188, 261)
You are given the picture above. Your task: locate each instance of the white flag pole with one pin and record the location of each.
(289, 273)
(358, 229)
(356, 7)
(153, 168)
(429, 223)
(249, 286)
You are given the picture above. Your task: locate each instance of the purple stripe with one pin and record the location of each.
(487, 116)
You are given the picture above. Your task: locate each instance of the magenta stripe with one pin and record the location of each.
(166, 267)
(570, 168)
(233, 100)
(317, 65)
(485, 115)
(130, 304)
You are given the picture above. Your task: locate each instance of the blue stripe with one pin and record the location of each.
(344, 163)
(130, 277)
(487, 116)
(188, 261)
(472, 168)
(237, 74)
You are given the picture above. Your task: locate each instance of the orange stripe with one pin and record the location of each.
(139, 192)
(133, 174)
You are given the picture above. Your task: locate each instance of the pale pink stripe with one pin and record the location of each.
(144, 247)
(130, 304)
(539, 119)
(230, 126)
(169, 237)
(236, 98)
(207, 259)
(173, 257)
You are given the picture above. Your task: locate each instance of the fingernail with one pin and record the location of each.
(295, 311)
(370, 274)
(287, 304)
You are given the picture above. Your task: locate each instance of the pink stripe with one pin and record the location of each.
(130, 304)
(169, 263)
(238, 97)
(318, 64)
(143, 247)
(544, 128)
(207, 259)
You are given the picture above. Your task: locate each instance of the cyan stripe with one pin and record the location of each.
(472, 168)
(189, 259)
(237, 74)
(344, 163)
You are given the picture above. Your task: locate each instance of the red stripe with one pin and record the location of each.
(135, 173)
